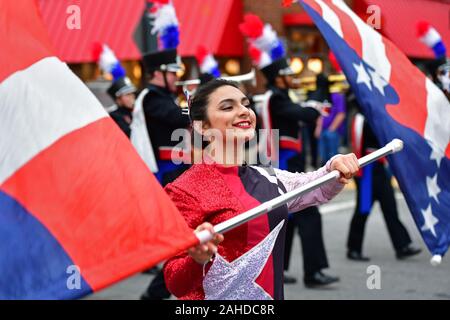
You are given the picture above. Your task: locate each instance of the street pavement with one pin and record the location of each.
(413, 278)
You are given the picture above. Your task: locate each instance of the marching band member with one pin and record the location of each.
(248, 263)
(286, 116)
(162, 115)
(121, 91)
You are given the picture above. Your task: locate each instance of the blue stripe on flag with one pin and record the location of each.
(33, 265)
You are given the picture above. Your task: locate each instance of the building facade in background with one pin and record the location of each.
(124, 26)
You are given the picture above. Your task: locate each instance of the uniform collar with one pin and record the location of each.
(275, 89)
(158, 89)
(124, 110)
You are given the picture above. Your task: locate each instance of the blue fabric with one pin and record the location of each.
(439, 50)
(216, 72)
(365, 189)
(165, 166)
(285, 155)
(170, 38)
(118, 71)
(277, 52)
(389, 114)
(27, 244)
(328, 145)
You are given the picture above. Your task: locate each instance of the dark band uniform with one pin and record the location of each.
(286, 116)
(374, 184)
(120, 114)
(163, 116)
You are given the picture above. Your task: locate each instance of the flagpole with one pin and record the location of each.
(204, 235)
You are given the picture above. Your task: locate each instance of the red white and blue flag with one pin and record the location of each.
(74, 194)
(399, 102)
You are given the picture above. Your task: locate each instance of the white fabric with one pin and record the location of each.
(358, 126)
(208, 64)
(373, 48)
(38, 109)
(272, 179)
(107, 59)
(264, 60)
(164, 17)
(139, 135)
(437, 125)
(431, 38)
(267, 40)
(266, 143)
(325, 193)
(331, 18)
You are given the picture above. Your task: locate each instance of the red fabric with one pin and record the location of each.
(208, 22)
(111, 217)
(257, 229)
(334, 61)
(291, 144)
(19, 16)
(198, 194)
(211, 23)
(399, 20)
(416, 79)
(105, 21)
(255, 54)
(201, 54)
(348, 29)
(174, 154)
(297, 19)
(207, 193)
(159, 1)
(287, 3)
(422, 28)
(252, 26)
(89, 188)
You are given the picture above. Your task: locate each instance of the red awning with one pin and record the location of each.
(212, 23)
(297, 19)
(106, 21)
(399, 18)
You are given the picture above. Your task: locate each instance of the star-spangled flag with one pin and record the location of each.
(399, 102)
(79, 210)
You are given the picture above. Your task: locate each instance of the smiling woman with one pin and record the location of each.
(226, 125)
(248, 263)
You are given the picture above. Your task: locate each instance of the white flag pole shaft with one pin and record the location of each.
(204, 236)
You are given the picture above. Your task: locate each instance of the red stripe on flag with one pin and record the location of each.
(412, 109)
(313, 4)
(95, 195)
(20, 19)
(349, 29)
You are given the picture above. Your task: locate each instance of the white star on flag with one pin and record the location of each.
(378, 81)
(436, 154)
(433, 188)
(363, 77)
(430, 220)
